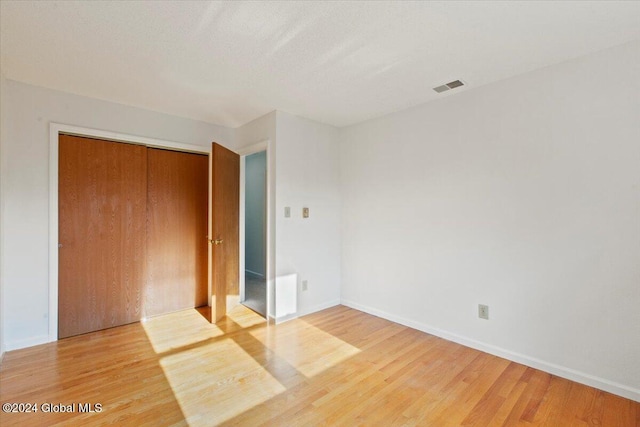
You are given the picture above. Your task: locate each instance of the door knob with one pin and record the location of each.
(216, 241)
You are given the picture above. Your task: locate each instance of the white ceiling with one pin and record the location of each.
(335, 62)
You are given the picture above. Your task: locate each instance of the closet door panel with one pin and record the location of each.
(176, 231)
(102, 210)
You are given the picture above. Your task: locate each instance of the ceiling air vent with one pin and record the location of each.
(451, 85)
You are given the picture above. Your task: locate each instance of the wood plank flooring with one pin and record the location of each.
(335, 367)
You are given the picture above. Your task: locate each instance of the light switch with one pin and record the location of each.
(287, 212)
(305, 212)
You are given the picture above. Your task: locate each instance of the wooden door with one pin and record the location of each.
(102, 198)
(225, 188)
(177, 221)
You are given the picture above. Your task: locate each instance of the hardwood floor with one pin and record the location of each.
(336, 367)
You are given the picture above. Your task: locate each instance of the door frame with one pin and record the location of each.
(264, 145)
(55, 129)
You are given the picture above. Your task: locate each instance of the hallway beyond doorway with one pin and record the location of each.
(255, 293)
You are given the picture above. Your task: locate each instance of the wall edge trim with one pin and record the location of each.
(551, 368)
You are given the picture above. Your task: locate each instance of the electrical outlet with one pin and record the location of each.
(305, 212)
(305, 285)
(483, 311)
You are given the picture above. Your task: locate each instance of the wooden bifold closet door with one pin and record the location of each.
(132, 233)
(102, 214)
(177, 204)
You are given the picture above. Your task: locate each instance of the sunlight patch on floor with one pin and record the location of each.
(180, 329)
(244, 317)
(217, 381)
(289, 343)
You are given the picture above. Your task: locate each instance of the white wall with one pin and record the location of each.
(2, 139)
(255, 213)
(308, 175)
(25, 187)
(261, 129)
(523, 195)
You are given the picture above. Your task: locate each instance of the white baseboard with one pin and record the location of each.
(287, 317)
(551, 368)
(318, 307)
(308, 310)
(27, 342)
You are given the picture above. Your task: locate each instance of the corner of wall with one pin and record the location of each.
(259, 129)
(507, 210)
(308, 177)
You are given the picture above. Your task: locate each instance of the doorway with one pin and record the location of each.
(255, 232)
